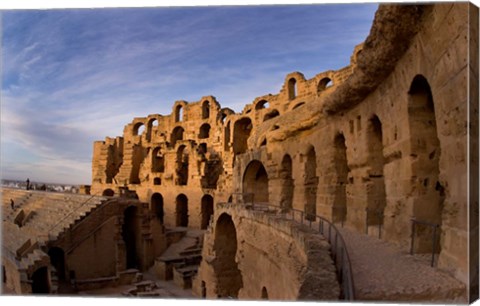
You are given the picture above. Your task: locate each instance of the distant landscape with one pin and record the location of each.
(41, 186)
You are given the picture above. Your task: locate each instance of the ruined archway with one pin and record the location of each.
(272, 114)
(311, 184)
(181, 212)
(108, 193)
(241, 132)
(177, 134)
(376, 197)
(286, 198)
(428, 195)
(255, 181)
(41, 281)
(204, 131)
(178, 113)
(158, 160)
(181, 169)
(341, 169)
(229, 277)
(129, 228)
(57, 259)
(206, 210)
(156, 205)
(292, 88)
(264, 294)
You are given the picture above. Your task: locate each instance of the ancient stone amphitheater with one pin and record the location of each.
(357, 184)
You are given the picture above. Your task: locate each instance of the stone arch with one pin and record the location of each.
(138, 128)
(262, 104)
(311, 184)
(429, 194)
(287, 191)
(241, 132)
(182, 166)
(341, 172)
(179, 113)
(324, 84)
(298, 105)
(157, 181)
(229, 277)
(376, 197)
(57, 259)
(177, 134)
(255, 181)
(204, 131)
(41, 281)
(205, 109)
(108, 193)
(151, 123)
(292, 88)
(156, 206)
(264, 294)
(181, 210)
(206, 210)
(158, 160)
(272, 114)
(129, 235)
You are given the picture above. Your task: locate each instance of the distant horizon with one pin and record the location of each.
(74, 76)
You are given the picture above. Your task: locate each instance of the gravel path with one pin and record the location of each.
(384, 272)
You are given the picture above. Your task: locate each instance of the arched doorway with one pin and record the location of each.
(157, 206)
(181, 210)
(255, 181)
(129, 229)
(57, 259)
(40, 281)
(241, 132)
(428, 193)
(341, 169)
(182, 166)
(207, 210)
(376, 197)
(286, 198)
(311, 184)
(229, 277)
(108, 193)
(264, 294)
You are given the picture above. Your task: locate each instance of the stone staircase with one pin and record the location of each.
(181, 260)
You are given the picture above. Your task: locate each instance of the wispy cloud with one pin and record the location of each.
(74, 76)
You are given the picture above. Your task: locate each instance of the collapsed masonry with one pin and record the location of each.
(370, 146)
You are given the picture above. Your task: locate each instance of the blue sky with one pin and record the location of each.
(73, 76)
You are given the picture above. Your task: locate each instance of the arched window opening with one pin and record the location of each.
(292, 88)
(255, 181)
(271, 115)
(158, 160)
(286, 197)
(264, 142)
(177, 134)
(181, 212)
(324, 84)
(179, 113)
(202, 148)
(108, 193)
(428, 200)
(129, 235)
(156, 205)
(151, 123)
(157, 181)
(57, 259)
(182, 165)
(223, 117)
(262, 104)
(40, 281)
(342, 170)
(204, 131)
(241, 133)
(376, 197)
(311, 184)
(298, 105)
(264, 294)
(138, 129)
(207, 210)
(229, 277)
(205, 110)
